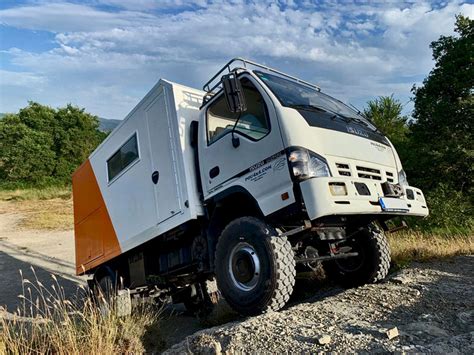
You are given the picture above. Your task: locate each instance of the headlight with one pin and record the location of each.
(306, 164)
(402, 178)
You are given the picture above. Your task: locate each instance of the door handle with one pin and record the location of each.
(214, 172)
(155, 176)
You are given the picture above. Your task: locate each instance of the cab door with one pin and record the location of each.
(258, 163)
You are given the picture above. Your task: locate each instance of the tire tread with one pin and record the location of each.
(286, 272)
(383, 251)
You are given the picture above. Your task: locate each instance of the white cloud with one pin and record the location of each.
(68, 17)
(153, 4)
(21, 79)
(17, 88)
(354, 51)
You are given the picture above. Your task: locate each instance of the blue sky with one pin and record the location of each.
(104, 55)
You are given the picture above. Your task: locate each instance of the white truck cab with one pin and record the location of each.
(291, 133)
(280, 177)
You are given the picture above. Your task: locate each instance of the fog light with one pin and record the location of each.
(338, 188)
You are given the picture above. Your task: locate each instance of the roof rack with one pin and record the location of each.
(209, 90)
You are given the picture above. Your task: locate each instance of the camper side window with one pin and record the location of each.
(123, 157)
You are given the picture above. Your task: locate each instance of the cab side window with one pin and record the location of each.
(253, 123)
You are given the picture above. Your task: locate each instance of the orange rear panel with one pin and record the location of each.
(95, 237)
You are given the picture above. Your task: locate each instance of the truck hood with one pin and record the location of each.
(339, 141)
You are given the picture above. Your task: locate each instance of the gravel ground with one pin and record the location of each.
(424, 308)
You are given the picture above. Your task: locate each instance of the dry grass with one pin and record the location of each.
(416, 246)
(46, 209)
(49, 323)
(46, 193)
(54, 214)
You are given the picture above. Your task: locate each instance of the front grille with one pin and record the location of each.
(343, 169)
(368, 173)
(364, 172)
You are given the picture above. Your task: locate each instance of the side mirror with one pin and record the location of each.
(234, 93)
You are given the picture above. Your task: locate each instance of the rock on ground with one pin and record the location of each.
(432, 309)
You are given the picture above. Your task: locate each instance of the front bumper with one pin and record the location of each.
(320, 202)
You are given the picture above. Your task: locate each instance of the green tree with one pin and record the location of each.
(41, 145)
(441, 158)
(76, 135)
(386, 113)
(25, 153)
(444, 113)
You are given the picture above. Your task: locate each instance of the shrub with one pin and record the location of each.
(450, 210)
(41, 146)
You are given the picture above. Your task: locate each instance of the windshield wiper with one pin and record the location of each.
(308, 107)
(321, 109)
(359, 112)
(366, 124)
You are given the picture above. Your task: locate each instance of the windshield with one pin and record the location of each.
(293, 94)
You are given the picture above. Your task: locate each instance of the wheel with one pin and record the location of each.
(370, 266)
(200, 302)
(255, 268)
(104, 286)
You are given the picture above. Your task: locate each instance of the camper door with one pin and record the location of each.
(163, 157)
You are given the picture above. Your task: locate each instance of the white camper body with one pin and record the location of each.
(140, 209)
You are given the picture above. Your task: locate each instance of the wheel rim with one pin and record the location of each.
(244, 267)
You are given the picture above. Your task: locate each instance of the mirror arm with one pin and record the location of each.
(235, 140)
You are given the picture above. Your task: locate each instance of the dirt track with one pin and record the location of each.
(48, 252)
(430, 304)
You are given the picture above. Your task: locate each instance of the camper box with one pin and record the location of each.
(140, 182)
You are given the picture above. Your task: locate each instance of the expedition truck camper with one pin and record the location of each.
(256, 177)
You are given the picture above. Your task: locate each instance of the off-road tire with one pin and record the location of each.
(276, 278)
(104, 288)
(105, 285)
(373, 260)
